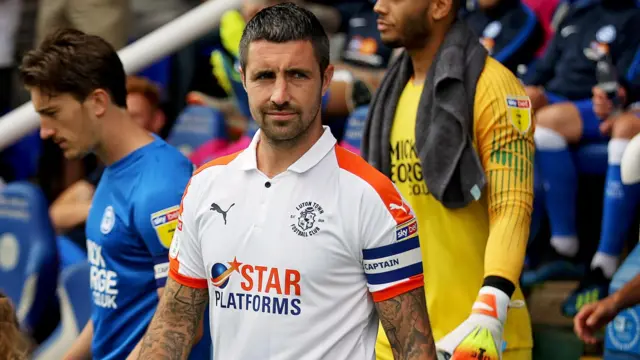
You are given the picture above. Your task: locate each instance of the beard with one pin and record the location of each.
(413, 34)
(286, 132)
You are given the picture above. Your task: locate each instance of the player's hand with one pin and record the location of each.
(593, 317)
(602, 105)
(480, 335)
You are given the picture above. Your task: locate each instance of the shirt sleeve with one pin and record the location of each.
(391, 248)
(156, 219)
(504, 138)
(185, 257)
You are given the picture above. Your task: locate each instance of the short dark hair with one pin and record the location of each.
(282, 23)
(70, 61)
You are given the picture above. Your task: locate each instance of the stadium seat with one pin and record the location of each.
(354, 129)
(22, 157)
(28, 253)
(197, 125)
(70, 252)
(159, 73)
(75, 311)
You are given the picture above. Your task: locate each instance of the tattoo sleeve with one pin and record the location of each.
(406, 322)
(173, 328)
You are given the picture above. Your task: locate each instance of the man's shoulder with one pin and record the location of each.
(496, 83)
(166, 166)
(164, 173)
(211, 170)
(494, 73)
(372, 185)
(217, 164)
(357, 166)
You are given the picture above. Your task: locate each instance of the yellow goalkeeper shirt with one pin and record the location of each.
(488, 237)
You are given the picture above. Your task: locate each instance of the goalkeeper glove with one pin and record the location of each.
(480, 335)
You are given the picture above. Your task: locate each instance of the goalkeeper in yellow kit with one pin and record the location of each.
(472, 254)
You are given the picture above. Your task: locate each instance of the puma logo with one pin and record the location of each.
(393, 206)
(215, 207)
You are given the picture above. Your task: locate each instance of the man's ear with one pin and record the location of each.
(99, 101)
(243, 77)
(327, 77)
(440, 9)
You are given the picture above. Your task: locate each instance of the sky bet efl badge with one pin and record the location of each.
(519, 112)
(165, 222)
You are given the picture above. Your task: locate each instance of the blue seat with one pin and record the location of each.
(28, 252)
(196, 125)
(354, 129)
(159, 73)
(22, 157)
(75, 311)
(70, 253)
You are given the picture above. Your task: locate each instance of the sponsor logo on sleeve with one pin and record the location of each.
(519, 112)
(407, 230)
(165, 222)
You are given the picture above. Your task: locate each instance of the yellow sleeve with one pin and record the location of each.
(231, 27)
(504, 139)
(217, 64)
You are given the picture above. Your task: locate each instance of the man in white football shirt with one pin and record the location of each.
(298, 245)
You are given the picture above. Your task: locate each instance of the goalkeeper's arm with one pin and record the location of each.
(504, 139)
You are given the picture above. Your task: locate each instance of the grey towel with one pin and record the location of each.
(451, 167)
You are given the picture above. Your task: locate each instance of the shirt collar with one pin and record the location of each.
(311, 158)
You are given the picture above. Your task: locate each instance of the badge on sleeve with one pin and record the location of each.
(164, 223)
(519, 112)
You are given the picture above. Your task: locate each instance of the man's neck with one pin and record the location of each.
(422, 58)
(274, 158)
(120, 137)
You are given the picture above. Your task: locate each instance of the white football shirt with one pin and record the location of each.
(295, 263)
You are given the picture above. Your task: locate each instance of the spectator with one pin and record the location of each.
(508, 29)
(620, 200)
(592, 317)
(108, 19)
(560, 90)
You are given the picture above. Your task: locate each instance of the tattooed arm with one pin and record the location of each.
(173, 328)
(406, 322)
